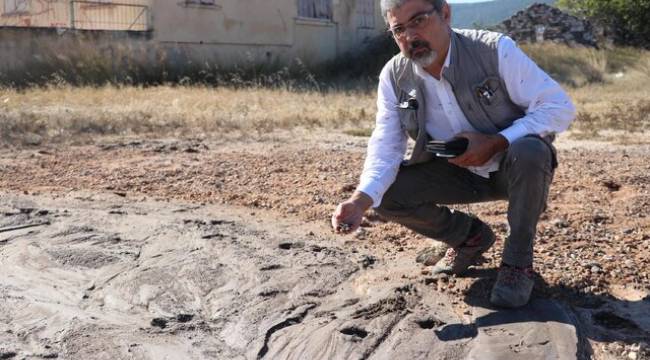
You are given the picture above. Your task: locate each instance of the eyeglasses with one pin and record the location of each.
(416, 23)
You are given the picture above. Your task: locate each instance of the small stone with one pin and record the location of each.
(560, 223)
(633, 355)
(33, 139)
(343, 228)
(595, 269)
(367, 261)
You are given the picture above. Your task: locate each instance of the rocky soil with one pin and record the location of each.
(211, 249)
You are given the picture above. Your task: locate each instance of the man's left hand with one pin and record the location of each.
(480, 149)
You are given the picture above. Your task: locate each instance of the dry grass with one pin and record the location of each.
(608, 87)
(73, 113)
(620, 103)
(575, 67)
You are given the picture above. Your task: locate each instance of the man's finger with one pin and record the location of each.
(337, 216)
(459, 160)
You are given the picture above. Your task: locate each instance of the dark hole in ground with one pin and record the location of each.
(271, 267)
(289, 245)
(268, 293)
(612, 185)
(612, 321)
(212, 236)
(184, 317)
(354, 331)
(429, 323)
(7, 355)
(159, 322)
(221, 222)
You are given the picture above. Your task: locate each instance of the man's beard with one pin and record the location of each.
(426, 56)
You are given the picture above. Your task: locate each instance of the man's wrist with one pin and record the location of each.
(362, 199)
(500, 143)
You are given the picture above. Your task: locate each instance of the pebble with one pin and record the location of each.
(560, 223)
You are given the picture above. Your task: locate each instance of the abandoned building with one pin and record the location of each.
(199, 31)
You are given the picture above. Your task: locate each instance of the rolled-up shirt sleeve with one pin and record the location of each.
(386, 146)
(547, 106)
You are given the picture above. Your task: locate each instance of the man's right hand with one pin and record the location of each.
(348, 215)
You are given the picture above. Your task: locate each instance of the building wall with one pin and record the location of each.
(16, 13)
(131, 15)
(265, 30)
(181, 33)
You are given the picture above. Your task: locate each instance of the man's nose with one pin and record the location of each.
(411, 34)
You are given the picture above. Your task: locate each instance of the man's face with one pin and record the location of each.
(420, 33)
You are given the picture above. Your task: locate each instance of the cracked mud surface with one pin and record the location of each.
(183, 249)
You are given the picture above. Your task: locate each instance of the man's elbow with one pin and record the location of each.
(571, 112)
(566, 115)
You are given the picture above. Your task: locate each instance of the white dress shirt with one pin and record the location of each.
(548, 110)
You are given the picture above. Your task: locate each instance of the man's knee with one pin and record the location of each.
(530, 153)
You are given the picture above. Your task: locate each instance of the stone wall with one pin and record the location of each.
(542, 22)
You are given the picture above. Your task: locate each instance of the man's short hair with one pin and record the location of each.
(387, 5)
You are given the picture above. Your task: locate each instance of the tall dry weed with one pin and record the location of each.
(575, 67)
(67, 113)
(622, 102)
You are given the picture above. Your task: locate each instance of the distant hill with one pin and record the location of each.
(488, 13)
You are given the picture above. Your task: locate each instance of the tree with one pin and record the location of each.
(629, 20)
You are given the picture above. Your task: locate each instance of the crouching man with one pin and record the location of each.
(478, 85)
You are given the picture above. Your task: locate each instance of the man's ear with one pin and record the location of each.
(445, 13)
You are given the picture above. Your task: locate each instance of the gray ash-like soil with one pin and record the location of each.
(172, 280)
(186, 249)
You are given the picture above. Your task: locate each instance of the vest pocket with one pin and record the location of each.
(494, 101)
(408, 121)
(488, 91)
(407, 109)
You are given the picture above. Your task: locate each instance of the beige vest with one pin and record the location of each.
(473, 73)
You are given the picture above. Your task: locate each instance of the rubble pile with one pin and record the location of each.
(542, 22)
